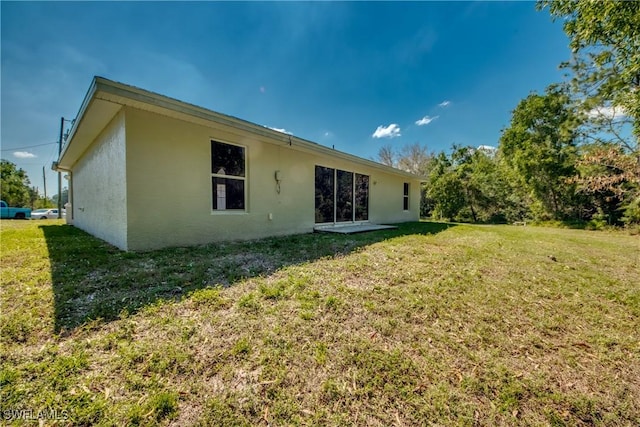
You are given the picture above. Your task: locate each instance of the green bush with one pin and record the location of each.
(631, 213)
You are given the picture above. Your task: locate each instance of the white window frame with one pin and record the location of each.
(240, 178)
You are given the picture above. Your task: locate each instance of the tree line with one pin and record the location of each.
(568, 154)
(16, 189)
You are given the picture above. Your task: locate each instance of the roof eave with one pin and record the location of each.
(76, 122)
(119, 93)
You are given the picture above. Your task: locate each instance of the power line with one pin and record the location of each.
(28, 146)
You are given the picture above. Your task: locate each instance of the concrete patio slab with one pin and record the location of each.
(351, 229)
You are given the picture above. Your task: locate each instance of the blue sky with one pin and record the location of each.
(354, 75)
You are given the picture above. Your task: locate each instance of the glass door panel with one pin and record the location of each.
(344, 196)
(362, 197)
(325, 185)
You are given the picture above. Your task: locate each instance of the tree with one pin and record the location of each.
(42, 202)
(445, 193)
(473, 185)
(415, 158)
(605, 41)
(490, 196)
(14, 185)
(387, 156)
(540, 147)
(64, 196)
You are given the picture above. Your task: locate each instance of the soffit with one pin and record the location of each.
(98, 114)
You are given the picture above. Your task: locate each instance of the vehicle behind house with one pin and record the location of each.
(46, 213)
(16, 213)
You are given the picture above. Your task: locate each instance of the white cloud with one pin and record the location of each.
(24, 155)
(391, 131)
(608, 112)
(444, 104)
(489, 148)
(426, 120)
(280, 130)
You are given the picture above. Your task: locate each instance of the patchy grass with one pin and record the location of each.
(430, 324)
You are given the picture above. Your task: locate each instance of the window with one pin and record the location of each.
(228, 166)
(405, 199)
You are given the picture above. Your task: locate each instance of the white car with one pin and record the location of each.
(46, 214)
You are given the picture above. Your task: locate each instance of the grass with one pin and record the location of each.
(430, 324)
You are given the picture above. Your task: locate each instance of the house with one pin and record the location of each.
(147, 171)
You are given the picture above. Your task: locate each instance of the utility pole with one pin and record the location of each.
(44, 178)
(59, 173)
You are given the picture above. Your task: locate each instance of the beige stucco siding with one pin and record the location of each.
(169, 194)
(99, 186)
(386, 204)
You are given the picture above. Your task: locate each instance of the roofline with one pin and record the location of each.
(76, 121)
(101, 84)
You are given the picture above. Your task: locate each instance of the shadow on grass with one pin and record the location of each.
(93, 280)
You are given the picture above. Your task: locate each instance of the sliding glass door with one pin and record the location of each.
(341, 196)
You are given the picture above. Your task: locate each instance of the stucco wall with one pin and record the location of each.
(99, 186)
(169, 195)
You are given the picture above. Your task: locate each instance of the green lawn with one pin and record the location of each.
(430, 324)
